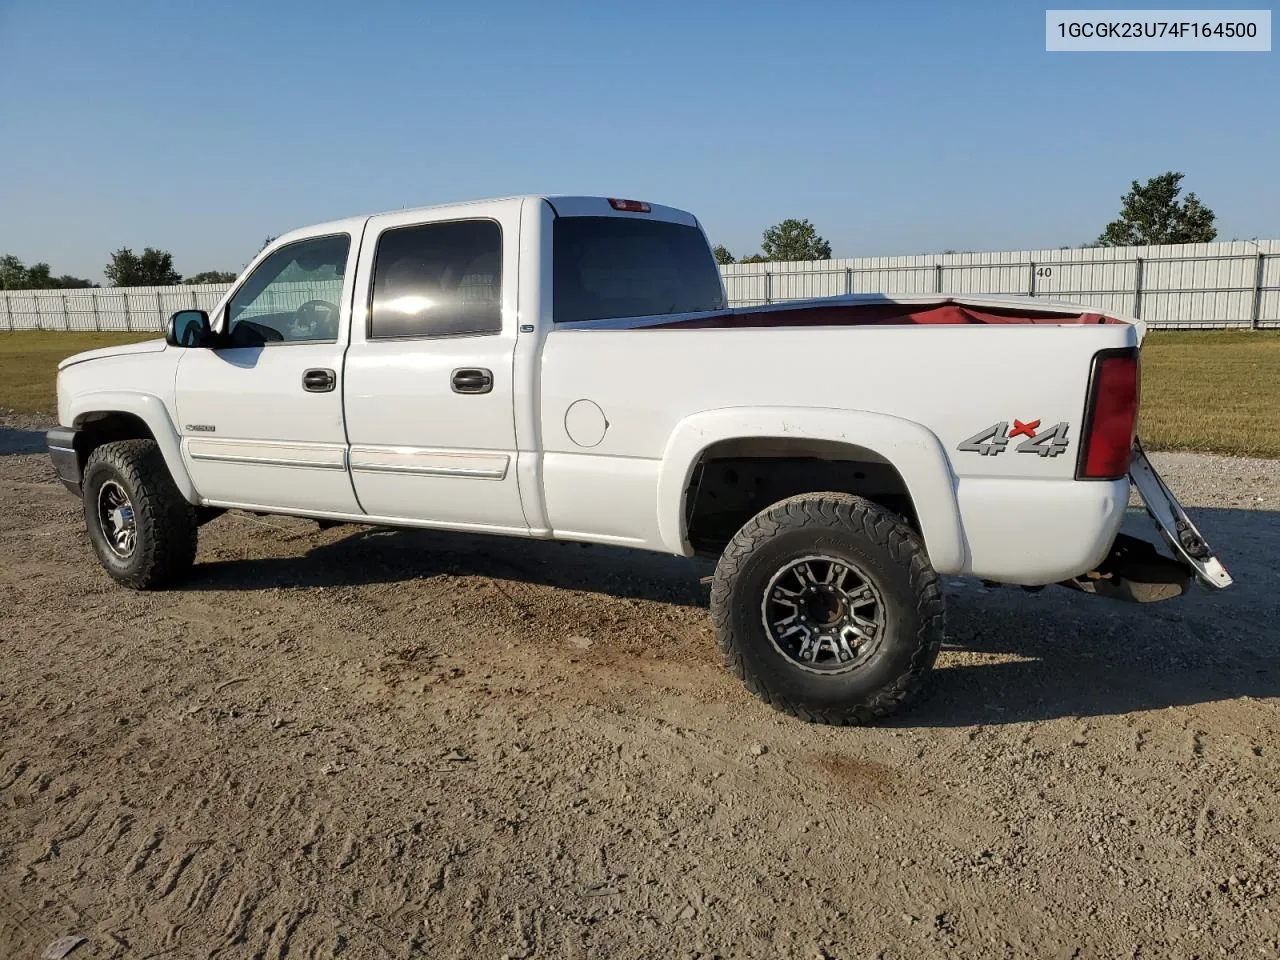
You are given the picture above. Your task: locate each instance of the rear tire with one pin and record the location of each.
(827, 608)
(141, 527)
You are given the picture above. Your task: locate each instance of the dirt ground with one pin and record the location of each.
(362, 743)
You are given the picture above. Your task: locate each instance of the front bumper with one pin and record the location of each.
(66, 462)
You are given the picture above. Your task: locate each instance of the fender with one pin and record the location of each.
(913, 450)
(151, 411)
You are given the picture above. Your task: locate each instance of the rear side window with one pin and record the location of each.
(611, 267)
(438, 280)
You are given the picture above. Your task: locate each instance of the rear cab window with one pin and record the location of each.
(608, 268)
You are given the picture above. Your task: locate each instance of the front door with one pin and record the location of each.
(261, 415)
(429, 399)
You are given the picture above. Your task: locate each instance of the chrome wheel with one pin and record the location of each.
(115, 515)
(823, 614)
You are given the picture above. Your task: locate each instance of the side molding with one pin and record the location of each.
(151, 411)
(913, 450)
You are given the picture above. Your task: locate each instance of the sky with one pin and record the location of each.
(896, 128)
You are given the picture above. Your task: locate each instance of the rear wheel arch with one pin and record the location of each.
(904, 467)
(734, 480)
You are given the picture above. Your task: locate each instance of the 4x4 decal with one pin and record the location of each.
(994, 439)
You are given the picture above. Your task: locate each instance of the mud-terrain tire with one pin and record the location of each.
(851, 653)
(142, 529)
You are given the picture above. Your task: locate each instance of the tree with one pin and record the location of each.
(15, 275)
(211, 276)
(39, 277)
(1152, 214)
(722, 254)
(154, 268)
(794, 240)
(68, 282)
(754, 258)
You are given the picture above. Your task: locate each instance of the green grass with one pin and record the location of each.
(29, 363)
(1215, 390)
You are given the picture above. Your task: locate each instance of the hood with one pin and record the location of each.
(125, 349)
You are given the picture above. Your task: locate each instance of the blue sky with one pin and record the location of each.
(895, 127)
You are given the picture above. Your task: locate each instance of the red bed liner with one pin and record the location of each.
(881, 313)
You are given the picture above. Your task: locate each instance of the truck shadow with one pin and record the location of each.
(1011, 656)
(14, 442)
(392, 556)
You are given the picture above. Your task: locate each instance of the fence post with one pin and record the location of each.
(1031, 279)
(1258, 273)
(8, 311)
(66, 314)
(159, 310)
(937, 278)
(128, 319)
(1137, 288)
(848, 281)
(97, 320)
(35, 299)
(768, 286)
(195, 303)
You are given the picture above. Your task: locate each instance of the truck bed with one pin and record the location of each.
(852, 363)
(879, 312)
(875, 310)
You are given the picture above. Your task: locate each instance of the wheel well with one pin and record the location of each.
(736, 479)
(95, 429)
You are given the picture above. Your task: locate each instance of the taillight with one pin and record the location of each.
(630, 206)
(1110, 416)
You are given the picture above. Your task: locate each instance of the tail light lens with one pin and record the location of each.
(1111, 416)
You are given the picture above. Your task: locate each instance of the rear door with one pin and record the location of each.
(428, 389)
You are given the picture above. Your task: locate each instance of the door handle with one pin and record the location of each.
(472, 380)
(319, 380)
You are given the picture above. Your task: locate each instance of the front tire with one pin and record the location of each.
(827, 608)
(142, 529)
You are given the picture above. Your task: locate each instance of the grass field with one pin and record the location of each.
(29, 363)
(1216, 391)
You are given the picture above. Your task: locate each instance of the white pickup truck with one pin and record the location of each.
(567, 368)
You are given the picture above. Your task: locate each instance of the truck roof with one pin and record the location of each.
(563, 205)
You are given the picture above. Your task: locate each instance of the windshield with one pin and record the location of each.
(611, 267)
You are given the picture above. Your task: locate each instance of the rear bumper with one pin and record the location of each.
(1035, 532)
(1041, 532)
(66, 462)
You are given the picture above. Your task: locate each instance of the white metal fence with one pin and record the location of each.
(1207, 285)
(1195, 285)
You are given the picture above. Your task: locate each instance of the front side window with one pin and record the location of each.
(438, 280)
(612, 267)
(293, 295)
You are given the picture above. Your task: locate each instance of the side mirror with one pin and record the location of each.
(188, 328)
